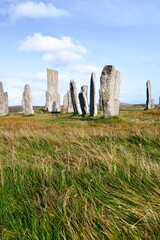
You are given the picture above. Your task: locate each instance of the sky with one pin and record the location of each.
(76, 38)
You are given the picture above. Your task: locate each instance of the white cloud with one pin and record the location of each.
(36, 10)
(62, 50)
(41, 43)
(31, 9)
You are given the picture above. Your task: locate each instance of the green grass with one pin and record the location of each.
(68, 177)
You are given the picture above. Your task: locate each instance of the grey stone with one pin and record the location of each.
(83, 103)
(84, 89)
(70, 105)
(148, 95)
(27, 101)
(152, 103)
(52, 97)
(93, 104)
(74, 97)
(67, 102)
(100, 99)
(110, 90)
(83, 98)
(4, 110)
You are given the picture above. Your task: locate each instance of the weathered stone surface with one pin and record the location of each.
(83, 98)
(93, 103)
(110, 90)
(148, 95)
(27, 101)
(84, 89)
(100, 99)
(52, 96)
(74, 97)
(83, 103)
(70, 105)
(152, 103)
(3, 101)
(67, 102)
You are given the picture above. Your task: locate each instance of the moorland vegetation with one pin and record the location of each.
(75, 177)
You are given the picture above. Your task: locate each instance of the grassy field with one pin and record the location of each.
(68, 177)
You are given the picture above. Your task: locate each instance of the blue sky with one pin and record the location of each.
(77, 37)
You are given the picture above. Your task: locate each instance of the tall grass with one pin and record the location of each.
(67, 177)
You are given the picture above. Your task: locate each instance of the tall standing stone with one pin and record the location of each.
(27, 101)
(4, 110)
(74, 97)
(148, 95)
(52, 96)
(93, 103)
(110, 90)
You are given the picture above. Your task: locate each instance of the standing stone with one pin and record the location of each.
(93, 104)
(152, 103)
(83, 98)
(27, 101)
(159, 100)
(74, 97)
(83, 103)
(70, 105)
(110, 90)
(84, 89)
(4, 110)
(52, 96)
(148, 95)
(67, 102)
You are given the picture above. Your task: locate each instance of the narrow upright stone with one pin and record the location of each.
(110, 90)
(70, 105)
(27, 101)
(67, 102)
(148, 95)
(4, 110)
(52, 96)
(93, 103)
(83, 103)
(152, 103)
(84, 89)
(83, 98)
(74, 97)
